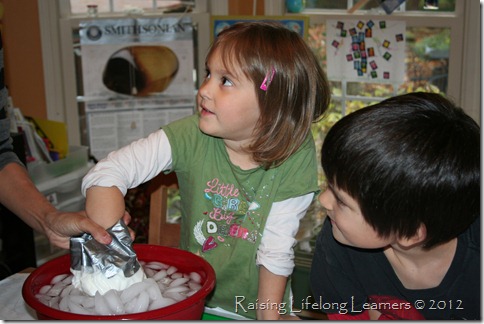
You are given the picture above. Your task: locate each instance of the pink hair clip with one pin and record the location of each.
(267, 80)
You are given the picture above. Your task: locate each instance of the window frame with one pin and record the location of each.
(464, 85)
(154, 4)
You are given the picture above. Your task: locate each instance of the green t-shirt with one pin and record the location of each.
(224, 208)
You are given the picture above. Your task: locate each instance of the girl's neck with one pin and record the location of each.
(421, 269)
(240, 157)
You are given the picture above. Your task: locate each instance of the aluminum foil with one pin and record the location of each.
(87, 254)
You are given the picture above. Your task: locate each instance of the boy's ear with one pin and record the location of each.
(416, 239)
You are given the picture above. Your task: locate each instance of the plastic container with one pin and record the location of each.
(75, 159)
(188, 309)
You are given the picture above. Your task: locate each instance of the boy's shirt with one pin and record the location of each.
(349, 281)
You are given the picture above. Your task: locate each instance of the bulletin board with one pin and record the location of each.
(298, 24)
(366, 50)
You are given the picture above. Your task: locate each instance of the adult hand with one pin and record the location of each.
(61, 226)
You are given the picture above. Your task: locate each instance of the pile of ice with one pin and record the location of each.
(164, 285)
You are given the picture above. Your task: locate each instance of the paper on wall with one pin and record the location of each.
(366, 50)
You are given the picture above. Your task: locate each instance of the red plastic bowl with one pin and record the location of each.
(188, 309)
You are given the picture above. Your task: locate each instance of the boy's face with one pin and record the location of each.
(349, 226)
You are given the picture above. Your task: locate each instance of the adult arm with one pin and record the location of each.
(19, 194)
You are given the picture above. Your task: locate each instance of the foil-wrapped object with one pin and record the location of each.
(100, 267)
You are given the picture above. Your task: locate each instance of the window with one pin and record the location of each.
(427, 47)
(376, 5)
(426, 70)
(114, 6)
(434, 52)
(426, 62)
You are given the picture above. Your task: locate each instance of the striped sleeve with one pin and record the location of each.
(6, 148)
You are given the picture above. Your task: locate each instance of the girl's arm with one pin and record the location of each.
(275, 251)
(275, 255)
(107, 182)
(105, 205)
(271, 292)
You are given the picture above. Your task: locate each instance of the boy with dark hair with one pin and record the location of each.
(402, 236)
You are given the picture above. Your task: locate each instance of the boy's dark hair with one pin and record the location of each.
(409, 160)
(298, 95)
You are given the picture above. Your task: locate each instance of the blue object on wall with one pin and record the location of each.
(295, 6)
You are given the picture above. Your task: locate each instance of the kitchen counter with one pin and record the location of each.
(12, 304)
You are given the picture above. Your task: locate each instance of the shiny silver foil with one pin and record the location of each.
(87, 254)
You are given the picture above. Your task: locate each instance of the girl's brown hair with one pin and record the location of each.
(297, 95)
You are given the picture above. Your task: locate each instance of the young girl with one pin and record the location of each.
(246, 165)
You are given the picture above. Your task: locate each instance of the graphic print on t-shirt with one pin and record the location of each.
(230, 216)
